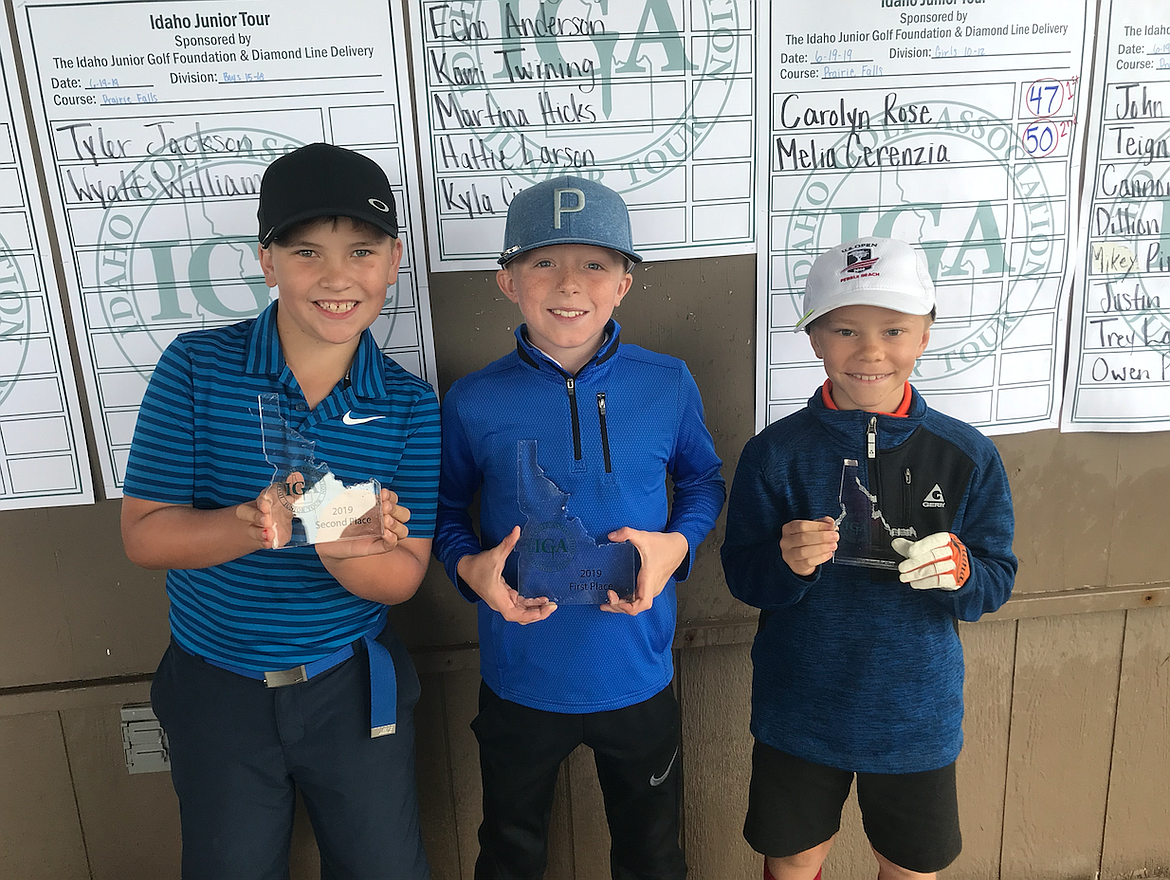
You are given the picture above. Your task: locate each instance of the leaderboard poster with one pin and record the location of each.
(156, 121)
(43, 459)
(953, 125)
(654, 98)
(1119, 363)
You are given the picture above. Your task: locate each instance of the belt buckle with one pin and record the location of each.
(284, 677)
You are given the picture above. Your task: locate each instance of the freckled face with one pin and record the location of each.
(332, 281)
(869, 353)
(567, 294)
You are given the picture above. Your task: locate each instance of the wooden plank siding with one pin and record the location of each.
(1060, 745)
(1137, 818)
(1064, 771)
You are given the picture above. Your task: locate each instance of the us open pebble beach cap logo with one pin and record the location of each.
(567, 210)
(870, 271)
(323, 180)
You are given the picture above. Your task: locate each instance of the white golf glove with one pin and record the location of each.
(937, 562)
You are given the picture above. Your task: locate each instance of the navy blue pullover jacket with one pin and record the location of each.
(853, 669)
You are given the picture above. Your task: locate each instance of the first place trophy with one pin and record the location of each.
(557, 557)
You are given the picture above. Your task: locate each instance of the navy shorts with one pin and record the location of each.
(240, 751)
(912, 819)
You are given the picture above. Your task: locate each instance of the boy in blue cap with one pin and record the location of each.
(610, 421)
(859, 670)
(282, 674)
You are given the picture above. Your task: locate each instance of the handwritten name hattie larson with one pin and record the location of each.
(790, 154)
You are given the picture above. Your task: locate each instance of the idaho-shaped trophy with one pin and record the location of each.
(311, 505)
(558, 559)
(864, 537)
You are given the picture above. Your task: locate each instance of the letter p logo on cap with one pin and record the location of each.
(559, 207)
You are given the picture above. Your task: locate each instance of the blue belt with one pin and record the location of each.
(383, 682)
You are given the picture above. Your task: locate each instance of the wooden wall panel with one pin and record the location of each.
(80, 609)
(1061, 739)
(39, 647)
(1062, 538)
(714, 686)
(436, 797)
(1143, 472)
(460, 705)
(590, 830)
(989, 650)
(40, 832)
(851, 855)
(117, 613)
(130, 821)
(560, 831)
(1137, 825)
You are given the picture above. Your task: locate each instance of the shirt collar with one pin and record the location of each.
(264, 357)
(533, 356)
(901, 412)
(264, 354)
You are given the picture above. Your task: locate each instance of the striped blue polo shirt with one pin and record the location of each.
(197, 442)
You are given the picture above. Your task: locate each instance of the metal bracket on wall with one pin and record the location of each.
(143, 740)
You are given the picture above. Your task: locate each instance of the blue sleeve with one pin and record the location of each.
(459, 480)
(695, 469)
(987, 530)
(417, 478)
(755, 570)
(161, 464)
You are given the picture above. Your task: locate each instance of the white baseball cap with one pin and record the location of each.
(869, 271)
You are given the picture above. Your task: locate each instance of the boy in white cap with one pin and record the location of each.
(610, 421)
(859, 670)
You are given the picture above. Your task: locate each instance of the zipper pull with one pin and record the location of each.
(871, 438)
(569, 384)
(601, 402)
(907, 476)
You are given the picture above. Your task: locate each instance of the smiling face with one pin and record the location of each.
(332, 278)
(869, 353)
(567, 294)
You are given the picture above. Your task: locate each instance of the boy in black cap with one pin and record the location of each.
(609, 422)
(282, 674)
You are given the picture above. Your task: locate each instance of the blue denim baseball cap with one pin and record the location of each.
(567, 210)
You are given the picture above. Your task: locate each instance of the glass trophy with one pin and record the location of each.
(864, 536)
(311, 505)
(557, 557)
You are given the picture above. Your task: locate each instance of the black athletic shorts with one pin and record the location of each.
(912, 819)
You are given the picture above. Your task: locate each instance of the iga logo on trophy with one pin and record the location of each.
(551, 548)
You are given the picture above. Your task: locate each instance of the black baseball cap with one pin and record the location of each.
(322, 180)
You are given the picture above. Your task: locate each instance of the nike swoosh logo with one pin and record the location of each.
(349, 418)
(656, 781)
